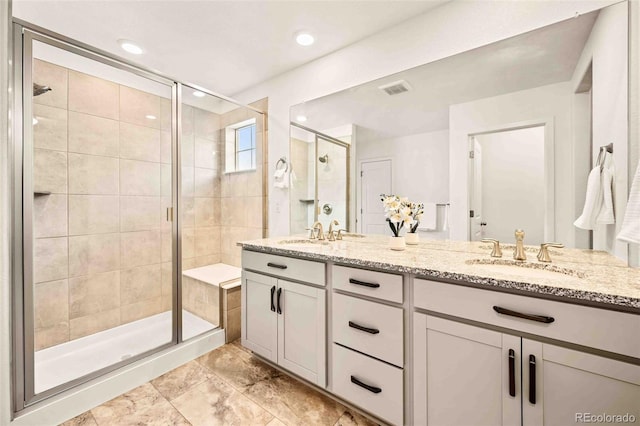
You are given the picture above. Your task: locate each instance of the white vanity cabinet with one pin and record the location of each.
(284, 321)
(470, 374)
(368, 341)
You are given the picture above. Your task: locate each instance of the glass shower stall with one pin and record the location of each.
(123, 179)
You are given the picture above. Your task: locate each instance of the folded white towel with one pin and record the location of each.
(445, 217)
(606, 215)
(430, 217)
(593, 201)
(630, 231)
(281, 178)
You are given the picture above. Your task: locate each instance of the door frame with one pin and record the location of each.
(359, 186)
(549, 167)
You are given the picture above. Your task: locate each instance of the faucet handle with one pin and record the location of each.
(339, 236)
(312, 233)
(543, 254)
(497, 251)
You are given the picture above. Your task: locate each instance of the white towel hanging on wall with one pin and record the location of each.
(598, 205)
(630, 231)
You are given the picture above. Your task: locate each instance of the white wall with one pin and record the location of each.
(541, 103)
(420, 164)
(607, 48)
(513, 184)
(452, 28)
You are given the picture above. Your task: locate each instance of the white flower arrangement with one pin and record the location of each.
(416, 212)
(399, 211)
(396, 211)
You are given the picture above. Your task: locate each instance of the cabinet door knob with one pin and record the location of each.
(276, 265)
(363, 283)
(530, 317)
(279, 307)
(532, 379)
(363, 328)
(370, 388)
(512, 372)
(273, 306)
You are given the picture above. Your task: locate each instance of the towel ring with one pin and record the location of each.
(282, 161)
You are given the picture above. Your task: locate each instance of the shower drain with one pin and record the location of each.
(125, 356)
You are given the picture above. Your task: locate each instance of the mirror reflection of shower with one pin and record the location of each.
(324, 158)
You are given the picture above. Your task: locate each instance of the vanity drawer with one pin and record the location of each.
(593, 327)
(383, 335)
(285, 267)
(369, 283)
(385, 396)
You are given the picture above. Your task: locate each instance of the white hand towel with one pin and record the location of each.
(281, 178)
(606, 215)
(445, 217)
(430, 217)
(630, 231)
(593, 201)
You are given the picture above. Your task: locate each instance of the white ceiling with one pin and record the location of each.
(545, 56)
(225, 46)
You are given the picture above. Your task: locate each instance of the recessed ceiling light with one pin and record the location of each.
(35, 121)
(198, 94)
(150, 117)
(301, 118)
(303, 38)
(130, 46)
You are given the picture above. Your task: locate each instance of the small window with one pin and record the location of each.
(241, 147)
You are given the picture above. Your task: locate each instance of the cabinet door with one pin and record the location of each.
(301, 331)
(464, 374)
(571, 386)
(259, 317)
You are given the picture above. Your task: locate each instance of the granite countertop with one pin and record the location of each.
(589, 277)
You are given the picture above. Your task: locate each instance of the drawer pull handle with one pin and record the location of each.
(512, 372)
(273, 306)
(532, 379)
(363, 283)
(537, 318)
(275, 265)
(279, 307)
(370, 388)
(362, 328)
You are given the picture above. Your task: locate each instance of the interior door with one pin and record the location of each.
(476, 219)
(301, 330)
(375, 178)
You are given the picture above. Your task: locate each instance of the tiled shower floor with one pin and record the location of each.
(227, 386)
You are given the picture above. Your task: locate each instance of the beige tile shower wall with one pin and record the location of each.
(301, 191)
(243, 196)
(101, 235)
(200, 189)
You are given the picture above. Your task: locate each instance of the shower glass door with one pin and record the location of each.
(99, 240)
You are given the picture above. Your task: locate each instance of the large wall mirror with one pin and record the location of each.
(492, 139)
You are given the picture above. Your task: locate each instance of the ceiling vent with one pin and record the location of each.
(395, 88)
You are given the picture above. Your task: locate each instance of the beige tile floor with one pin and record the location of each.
(227, 386)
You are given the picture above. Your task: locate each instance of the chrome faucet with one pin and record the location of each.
(518, 253)
(317, 227)
(331, 233)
